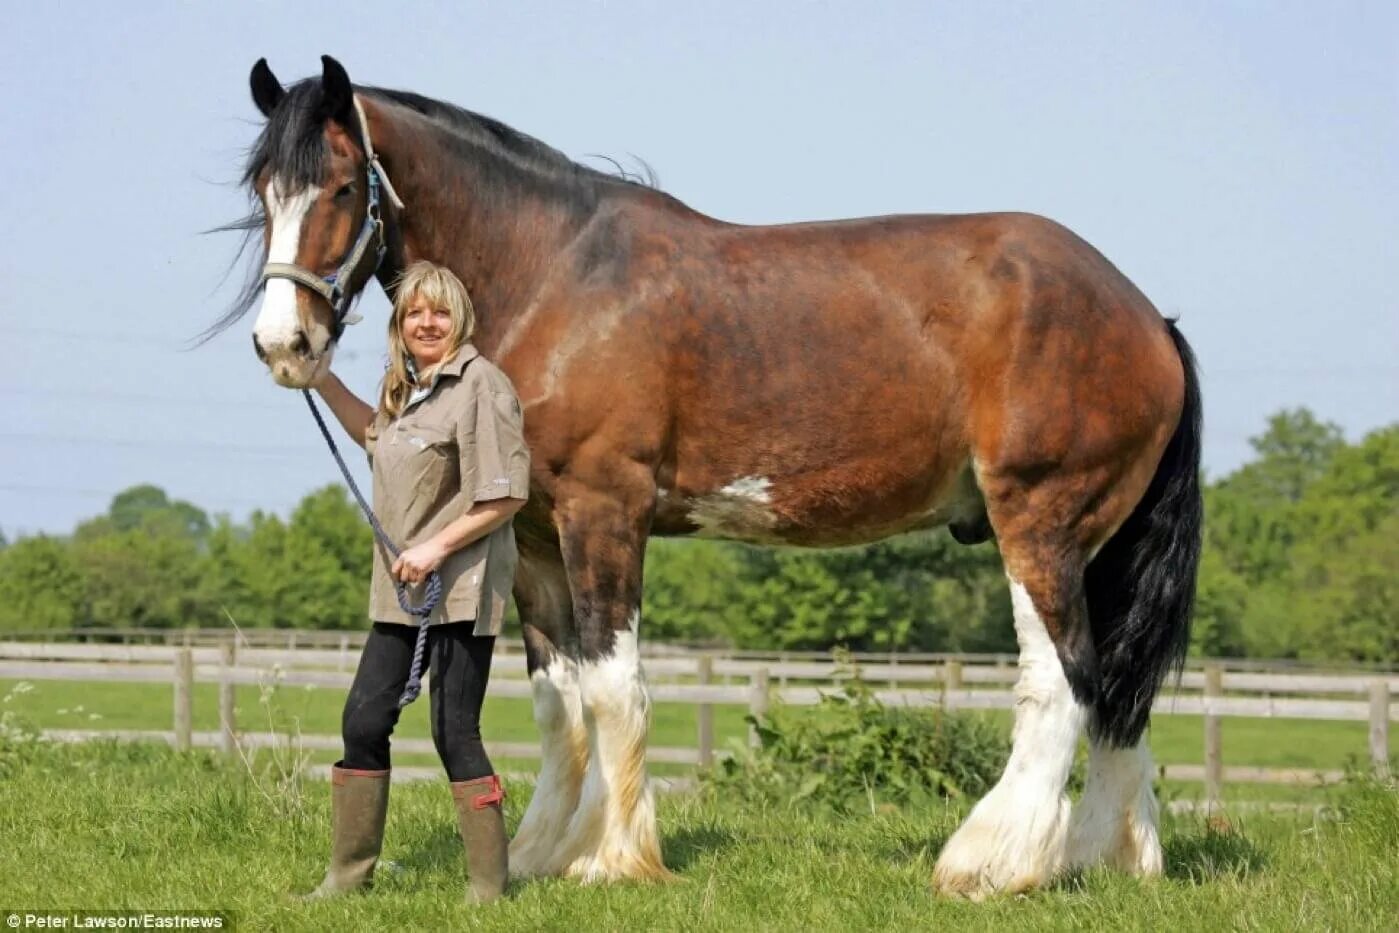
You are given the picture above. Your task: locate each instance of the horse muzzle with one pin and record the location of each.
(296, 357)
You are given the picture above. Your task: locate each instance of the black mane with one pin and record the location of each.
(292, 145)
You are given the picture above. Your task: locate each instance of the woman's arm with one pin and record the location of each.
(414, 564)
(352, 413)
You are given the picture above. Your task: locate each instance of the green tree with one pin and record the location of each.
(147, 509)
(41, 588)
(286, 575)
(914, 592)
(142, 577)
(1220, 602)
(1300, 547)
(1294, 451)
(691, 591)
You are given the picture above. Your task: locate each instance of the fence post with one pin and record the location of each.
(344, 652)
(757, 702)
(705, 715)
(1214, 739)
(951, 681)
(184, 697)
(228, 725)
(1379, 726)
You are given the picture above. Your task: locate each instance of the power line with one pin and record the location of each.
(162, 400)
(31, 489)
(184, 446)
(161, 341)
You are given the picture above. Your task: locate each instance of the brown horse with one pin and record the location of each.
(812, 384)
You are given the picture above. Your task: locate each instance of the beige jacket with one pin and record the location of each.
(460, 445)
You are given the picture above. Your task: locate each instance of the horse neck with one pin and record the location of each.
(494, 223)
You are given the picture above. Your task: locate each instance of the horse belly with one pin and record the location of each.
(846, 504)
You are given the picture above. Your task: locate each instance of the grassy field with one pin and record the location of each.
(140, 827)
(1273, 743)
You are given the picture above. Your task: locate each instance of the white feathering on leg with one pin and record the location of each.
(558, 713)
(1014, 838)
(1116, 820)
(613, 833)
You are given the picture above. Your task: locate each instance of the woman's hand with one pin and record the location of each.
(414, 564)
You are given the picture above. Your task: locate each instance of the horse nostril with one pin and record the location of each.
(257, 348)
(299, 343)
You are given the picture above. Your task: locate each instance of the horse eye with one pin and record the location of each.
(345, 191)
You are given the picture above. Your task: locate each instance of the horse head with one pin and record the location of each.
(314, 172)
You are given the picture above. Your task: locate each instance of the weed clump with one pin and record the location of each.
(851, 752)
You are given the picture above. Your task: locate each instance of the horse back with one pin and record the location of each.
(846, 374)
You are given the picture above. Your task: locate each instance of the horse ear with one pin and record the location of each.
(338, 101)
(267, 90)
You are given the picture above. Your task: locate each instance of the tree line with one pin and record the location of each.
(1301, 560)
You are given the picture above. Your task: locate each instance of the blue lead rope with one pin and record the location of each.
(431, 595)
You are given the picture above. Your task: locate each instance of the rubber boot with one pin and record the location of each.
(482, 825)
(359, 802)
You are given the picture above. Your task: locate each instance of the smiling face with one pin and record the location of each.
(428, 331)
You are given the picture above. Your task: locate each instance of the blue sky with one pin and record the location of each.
(1237, 160)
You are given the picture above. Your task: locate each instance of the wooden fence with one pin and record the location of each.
(705, 681)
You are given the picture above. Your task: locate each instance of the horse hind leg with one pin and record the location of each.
(545, 609)
(1116, 819)
(1015, 837)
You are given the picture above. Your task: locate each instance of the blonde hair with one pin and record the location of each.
(441, 288)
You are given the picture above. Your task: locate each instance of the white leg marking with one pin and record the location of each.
(558, 713)
(1116, 819)
(1014, 838)
(613, 832)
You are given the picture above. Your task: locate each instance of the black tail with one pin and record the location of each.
(1141, 585)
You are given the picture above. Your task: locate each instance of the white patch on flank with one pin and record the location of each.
(277, 320)
(558, 713)
(740, 510)
(1115, 821)
(753, 488)
(1015, 837)
(613, 832)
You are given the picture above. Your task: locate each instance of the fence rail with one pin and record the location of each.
(319, 638)
(960, 683)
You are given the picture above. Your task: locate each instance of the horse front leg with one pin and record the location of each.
(546, 614)
(613, 833)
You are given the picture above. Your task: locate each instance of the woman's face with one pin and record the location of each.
(427, 332)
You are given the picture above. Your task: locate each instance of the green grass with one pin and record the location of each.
(140, 826)
(1274, 743)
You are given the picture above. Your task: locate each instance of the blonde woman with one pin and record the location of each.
(450, 470)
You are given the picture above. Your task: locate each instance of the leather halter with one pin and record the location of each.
(334, 288)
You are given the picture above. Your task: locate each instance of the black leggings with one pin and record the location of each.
(461, 665)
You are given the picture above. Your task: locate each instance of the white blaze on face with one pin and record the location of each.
(277, 322)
